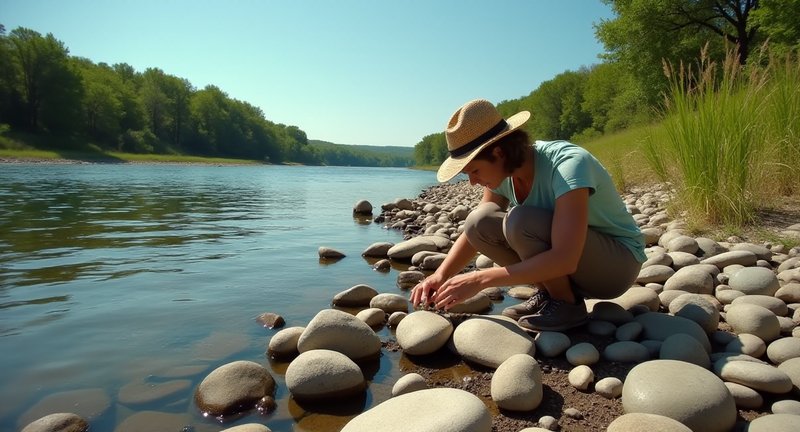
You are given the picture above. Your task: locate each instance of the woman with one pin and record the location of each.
(550, 216)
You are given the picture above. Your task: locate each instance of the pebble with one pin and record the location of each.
(609, 387)
(581, 377)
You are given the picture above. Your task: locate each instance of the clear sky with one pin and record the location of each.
(374, 72)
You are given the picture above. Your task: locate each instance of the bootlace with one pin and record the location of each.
(537, 298)
(550, 307)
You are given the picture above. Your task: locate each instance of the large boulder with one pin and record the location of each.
(431, 410)
(490, 340)
(682, 391)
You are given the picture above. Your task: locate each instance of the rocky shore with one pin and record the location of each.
(706, 340)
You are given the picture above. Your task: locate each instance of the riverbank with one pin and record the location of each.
(577, 409)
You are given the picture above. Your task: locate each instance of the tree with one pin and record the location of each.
(779, 21)
(647, 32)
(48, 87)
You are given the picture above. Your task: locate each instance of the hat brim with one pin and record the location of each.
(451, 167)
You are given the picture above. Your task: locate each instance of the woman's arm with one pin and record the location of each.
(568, 235)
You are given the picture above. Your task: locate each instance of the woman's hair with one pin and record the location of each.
(513, 145)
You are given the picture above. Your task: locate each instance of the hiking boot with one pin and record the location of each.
(556, 315)
(528, 307)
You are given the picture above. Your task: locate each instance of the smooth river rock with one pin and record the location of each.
(490, 340)
(517, 384)
(323, 374)
(234, 387)
(58, 422)
(682, 391)
(431, 410)
(423, 332)
(339, 331)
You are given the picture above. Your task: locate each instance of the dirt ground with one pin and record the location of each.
(444, 369)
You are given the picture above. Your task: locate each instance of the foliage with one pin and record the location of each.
(360, 155)
(45, 91)
(713, 148)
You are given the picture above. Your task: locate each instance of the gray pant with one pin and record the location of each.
(605, 270)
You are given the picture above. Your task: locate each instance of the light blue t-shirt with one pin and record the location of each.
(561, 167)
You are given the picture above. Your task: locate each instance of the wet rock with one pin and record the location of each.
(409, 279)
(378, 250)
(270, 320)
(355, 296)
(323, 374)
(234, 387)
(389, 302)
(330, 253)
(373, 317)
(362, 207)
(59, 422)
(283, 344)
(339, 331)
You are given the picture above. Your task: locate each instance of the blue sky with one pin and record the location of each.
(347, 71)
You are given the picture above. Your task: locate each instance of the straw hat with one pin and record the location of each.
(471, 128)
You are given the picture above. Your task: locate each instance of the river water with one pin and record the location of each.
(115, 278)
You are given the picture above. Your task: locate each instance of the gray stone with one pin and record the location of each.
(759, 251)
(551, 344)
(517, 384)
(356, 296)
(745, 397)
(774, 423)
(682, 243)
(283, 344)
(791, 368)
(783, 349)
(628, 332)
(395, 318)
(230, 387)
(659, 326)
(692, 279)
(655, 273)
(786, 406)
(638, 296)
(683, 347)
(746, 343)
(601, 328)
(745, 258)
(378, 250)
(339, 331)
(373, 317)
(754, 281)
(609, 387)
(698, 308)
(775, 305)
(323, 374)
(709, 247)
(434, 410)
(479, 303)
(581, 377)
(58, 422)
(329, 253)
(625, 352)
(406, 249)
(682, 391)
(638, 422)
(409, 279)
(583, 353)
(789, 293)
(408, 383)
(753, 319)
(423, 332)
(611, 312)
(389, 302)
(491, 340)
(757, 376)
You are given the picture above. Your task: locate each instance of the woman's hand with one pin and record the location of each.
(458, 289)
(424, 293)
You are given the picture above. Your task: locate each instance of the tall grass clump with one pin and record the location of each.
(711, 149)
(782, 121)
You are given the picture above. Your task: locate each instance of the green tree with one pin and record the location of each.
(645, 33)
(613, 99)
(557, 105)
(47, 88)
(779, 21)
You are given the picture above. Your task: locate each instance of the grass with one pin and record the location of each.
(31, 147)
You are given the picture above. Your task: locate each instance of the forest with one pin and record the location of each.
(628, 86)
(71, 103)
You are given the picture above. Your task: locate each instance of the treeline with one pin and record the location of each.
(361, 155)
(627, 87)
(48, 93)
